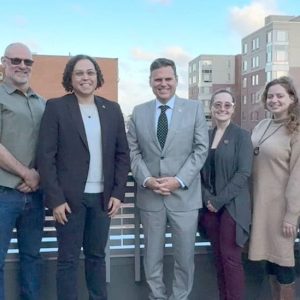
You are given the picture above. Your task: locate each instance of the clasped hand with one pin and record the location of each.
(163, 185)
(31, 180)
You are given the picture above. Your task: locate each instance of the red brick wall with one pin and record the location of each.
(48, 70)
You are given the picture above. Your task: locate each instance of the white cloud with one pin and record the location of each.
(246, 19)
(139, 54)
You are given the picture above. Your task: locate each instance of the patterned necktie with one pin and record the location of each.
(162, 125)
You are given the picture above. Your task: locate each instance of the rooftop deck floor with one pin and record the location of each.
(123, 286)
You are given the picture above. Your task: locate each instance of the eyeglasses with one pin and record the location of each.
(220, 105)
(17, 61)
(89, 73)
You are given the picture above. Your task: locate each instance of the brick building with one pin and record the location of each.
(209, 73)
(48, 70)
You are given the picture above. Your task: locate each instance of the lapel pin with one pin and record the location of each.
(226, 142)
(103, 106)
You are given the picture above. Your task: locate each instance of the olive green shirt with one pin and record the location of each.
(20, 117)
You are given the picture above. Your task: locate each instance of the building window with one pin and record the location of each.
(255, 62)
(244, 116)
(206, 62)
(245, 48)
(253, 98)
(278, 74)
(255, 43)
(254, 79)
(207, 75)
(281, 36)
(244, 99)
(205, 90)
(269, 56)
(254, 116)
(281, 55)
(244, 82)
(194, 66)
(245, 65)
(269, 37)
(257, 97)
(269, 76)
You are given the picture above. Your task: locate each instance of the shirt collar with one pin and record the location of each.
(10, 89)
(170, 103)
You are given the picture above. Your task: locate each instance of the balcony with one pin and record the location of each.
(125, 274)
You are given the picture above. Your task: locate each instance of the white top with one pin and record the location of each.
(92, 126)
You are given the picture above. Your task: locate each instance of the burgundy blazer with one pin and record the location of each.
(63, 153)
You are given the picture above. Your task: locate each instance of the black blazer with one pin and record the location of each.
(233, 165)
(63, 154)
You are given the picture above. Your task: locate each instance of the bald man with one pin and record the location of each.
(21, 204)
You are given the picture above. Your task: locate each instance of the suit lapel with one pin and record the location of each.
(77, 118)
(150, 122)
(105, 120)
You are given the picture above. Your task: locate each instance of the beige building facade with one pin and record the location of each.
(209, 73)
(268, 53)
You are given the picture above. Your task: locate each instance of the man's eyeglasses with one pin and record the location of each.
(17, 61)
(226, 105)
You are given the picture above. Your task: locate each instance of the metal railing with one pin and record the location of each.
(125, 238)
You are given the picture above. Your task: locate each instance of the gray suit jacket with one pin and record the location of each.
(183, 155)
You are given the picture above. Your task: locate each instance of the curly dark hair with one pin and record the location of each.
(69, 68)
(286, 82)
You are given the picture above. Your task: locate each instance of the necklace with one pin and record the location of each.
(263, 138)
(89, 111)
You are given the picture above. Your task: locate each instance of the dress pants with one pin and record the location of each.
(183, 228)
(87, 227)
(221, 230)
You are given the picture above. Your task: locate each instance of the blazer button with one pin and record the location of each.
(162, 157)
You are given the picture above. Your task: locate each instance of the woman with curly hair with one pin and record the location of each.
(276, 188)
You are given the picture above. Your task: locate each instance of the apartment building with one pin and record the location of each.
(268, 53)
(48, 70)
(209, 73)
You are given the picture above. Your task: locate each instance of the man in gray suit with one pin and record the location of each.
(168, 142)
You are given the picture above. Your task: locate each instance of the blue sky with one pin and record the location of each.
(136, 32)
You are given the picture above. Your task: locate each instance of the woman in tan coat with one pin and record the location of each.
(276, 186)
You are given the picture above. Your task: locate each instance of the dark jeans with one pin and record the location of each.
(284, 275)
(88, 228)
(26, 213)
(221, 231)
